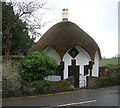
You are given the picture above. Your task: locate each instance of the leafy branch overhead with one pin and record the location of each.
(15, 38)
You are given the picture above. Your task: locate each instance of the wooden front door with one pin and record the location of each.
(74, 71)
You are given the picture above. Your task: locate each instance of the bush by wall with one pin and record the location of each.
(108, 81)
(37, 66)
(112, 70)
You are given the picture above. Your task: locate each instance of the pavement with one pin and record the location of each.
(108, 96)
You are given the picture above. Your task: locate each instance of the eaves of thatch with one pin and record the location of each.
(65, 35)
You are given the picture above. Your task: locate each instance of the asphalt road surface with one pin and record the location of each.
(97, 97)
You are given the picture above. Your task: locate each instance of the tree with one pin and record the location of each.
(26, 11)
(7, 20)
(37, 66)
(15, 38)
(21, 41)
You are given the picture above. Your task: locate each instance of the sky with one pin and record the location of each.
(98, 18)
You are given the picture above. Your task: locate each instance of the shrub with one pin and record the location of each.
(108, 81)
(37, 66)
(112, 70)
(101, 71)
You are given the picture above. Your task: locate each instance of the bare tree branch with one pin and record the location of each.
(27, 12)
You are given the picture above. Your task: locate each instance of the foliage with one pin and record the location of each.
(108, 62)
(15, 38)
(112, 70)
(40, 84)
(37, 66)
(114, 75)
(108, 81)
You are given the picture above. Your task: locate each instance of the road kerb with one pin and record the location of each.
(28, 97)
(60, 93)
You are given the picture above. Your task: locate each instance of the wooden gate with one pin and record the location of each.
(82, 81)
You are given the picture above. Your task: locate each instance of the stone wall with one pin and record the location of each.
(92, 82)
(55, 86)
(11, 82)
(10, 76)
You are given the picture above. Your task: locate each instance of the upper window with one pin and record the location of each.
(73, 52)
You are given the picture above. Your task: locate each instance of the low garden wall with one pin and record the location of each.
(53, 87)
(112, 80)
(92, 82)
(12, 85)
(10, 76)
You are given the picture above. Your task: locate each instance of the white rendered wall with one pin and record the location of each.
(67, 61)
(95, 71)
(53, 78)
(52, 53)
(81, 59)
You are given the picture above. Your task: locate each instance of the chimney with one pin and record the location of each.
(64, 14)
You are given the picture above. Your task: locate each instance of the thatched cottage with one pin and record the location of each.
(75, 51)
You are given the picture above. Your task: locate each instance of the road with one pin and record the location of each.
(97, 97)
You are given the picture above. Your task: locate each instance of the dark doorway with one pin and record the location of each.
(86, 69)
(73, 70)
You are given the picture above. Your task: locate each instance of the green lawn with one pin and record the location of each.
(112, 61)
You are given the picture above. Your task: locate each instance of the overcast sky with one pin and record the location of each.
(98, 18)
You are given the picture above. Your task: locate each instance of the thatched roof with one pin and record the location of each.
(65, 35)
